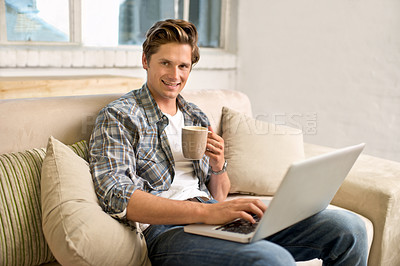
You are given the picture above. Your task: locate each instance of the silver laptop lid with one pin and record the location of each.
(308, 188)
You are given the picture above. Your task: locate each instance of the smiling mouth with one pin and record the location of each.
(172, 84)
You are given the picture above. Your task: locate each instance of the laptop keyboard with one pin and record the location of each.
(240, 226)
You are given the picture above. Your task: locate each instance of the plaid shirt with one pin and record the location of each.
(129, 150)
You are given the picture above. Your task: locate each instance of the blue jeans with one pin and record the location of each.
(337, 237)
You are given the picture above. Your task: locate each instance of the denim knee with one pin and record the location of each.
(352, 242)
(354, 226)
(262, 253)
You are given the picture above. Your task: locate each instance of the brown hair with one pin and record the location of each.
(171, 31)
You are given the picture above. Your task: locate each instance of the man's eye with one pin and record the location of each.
(164, 63)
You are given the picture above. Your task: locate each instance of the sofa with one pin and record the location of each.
(28, 126)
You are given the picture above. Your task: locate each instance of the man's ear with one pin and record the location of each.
(144, 62)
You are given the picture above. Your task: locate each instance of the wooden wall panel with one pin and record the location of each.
(33, 87)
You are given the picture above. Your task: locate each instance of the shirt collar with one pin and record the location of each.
(186, 108)
(153, 112)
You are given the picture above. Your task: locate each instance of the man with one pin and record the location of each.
(140, 174)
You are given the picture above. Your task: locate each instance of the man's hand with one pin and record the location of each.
(223, 212)
(218, 185)
(215, 150)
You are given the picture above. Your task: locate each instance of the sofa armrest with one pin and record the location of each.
(372, 189)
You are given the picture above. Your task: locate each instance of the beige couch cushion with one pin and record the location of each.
(76, 228)
(258, 153)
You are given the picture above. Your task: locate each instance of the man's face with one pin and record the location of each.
(168, 71)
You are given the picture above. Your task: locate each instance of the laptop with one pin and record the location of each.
(307, 188)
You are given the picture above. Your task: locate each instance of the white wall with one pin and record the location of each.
(336, 59)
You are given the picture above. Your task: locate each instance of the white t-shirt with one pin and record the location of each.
(185, 184)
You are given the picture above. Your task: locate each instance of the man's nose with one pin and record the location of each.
(174, 72)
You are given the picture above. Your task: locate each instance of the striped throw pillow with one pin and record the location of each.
(21, 237)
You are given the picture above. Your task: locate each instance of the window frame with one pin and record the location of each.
(122, 56)
(3, 22)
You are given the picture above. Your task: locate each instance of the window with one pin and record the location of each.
(136, 16)
(35, 21)
(106, 23)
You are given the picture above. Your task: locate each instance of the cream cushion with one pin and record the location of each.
(77, 230)
(258, 153)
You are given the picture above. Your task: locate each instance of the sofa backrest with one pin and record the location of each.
(28, 123)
